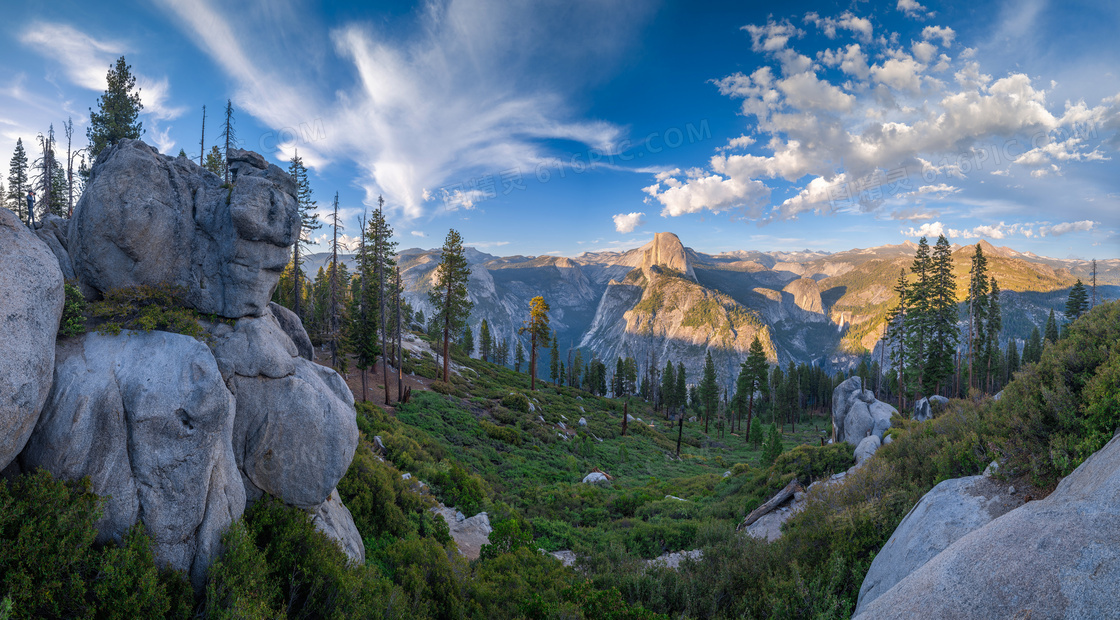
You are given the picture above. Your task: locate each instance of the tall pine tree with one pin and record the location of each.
(117, 112)
(1078, 302)
(538, 330)
(977, 305)
(449, 295)
(309, 222)
(19, 182)
(485, 343)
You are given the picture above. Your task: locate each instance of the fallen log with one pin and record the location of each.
(771, 505)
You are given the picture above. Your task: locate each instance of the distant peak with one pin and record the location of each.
(666, 250)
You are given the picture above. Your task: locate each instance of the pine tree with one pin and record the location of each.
(362, 328)
(485, 345)
(1078, 302)
(1032, 351)
(896, 333)
(1093, 283)
(229, 135)
(202, 140)
(18, 182)
(449, 295)
(554, 373)
(772, 446)
(993, 327)
(466, 340)
(709, 392)
(69, 130)
(1012, 358)
(501, 352)
(335, 278)
(943, 316)
(977, 308)
(215, 163)
(752, 376)
(680, 395)
(668, 388)
(1051, 328)
(309, 222)
(918, 319)
(117, 111)
(518, 357)
(538, 330)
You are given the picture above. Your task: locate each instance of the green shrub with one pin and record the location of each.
(238, 585)
(146, 308)
(444, 388)
(503, 415)
(501, 433)
(73, 321)
(772, 447)
(516, 401)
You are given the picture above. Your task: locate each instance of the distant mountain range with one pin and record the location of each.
(664, 301)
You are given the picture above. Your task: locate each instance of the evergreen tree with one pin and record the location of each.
(709, 392)
(669, 387)
(309, 222)
(117, 112)
(538, 330)
(466, 340)
(755, 433)
(1051, 328)
(449, 295)
(1012, 358)
(1032, 350)
(896, 333)
(362, 327)
(485, 344)
(518, 357)
(336, 281)
(501, 353)
(919, 318)
(680, 394)
(1078, 302)
(554, 373)
(772, 447)
(575, 370)
(19, 182)
(977, 302)
(229, 135)
(943, 317)
(752, 377)
(215, 163)
(993, 327)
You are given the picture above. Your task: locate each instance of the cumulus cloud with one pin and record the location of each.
(626, 222)
(1002, 230)
(913, 9)
(824, 135)
(929, 229)
(1068, 227)
(860, 26)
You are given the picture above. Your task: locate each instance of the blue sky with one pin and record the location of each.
(584, 125)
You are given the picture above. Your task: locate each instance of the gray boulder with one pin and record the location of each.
(147, 417)
(53, 232)
(1054, 558)
(867, 448)
(293, 326)
(145, 218)
(938, 401)
(469, 533)
(881, 414)
(844, 397)
(594, 477)
(294, 436)
(335, 520)
(858, 424)
(31, 304)
(922, 410)
(945, 514)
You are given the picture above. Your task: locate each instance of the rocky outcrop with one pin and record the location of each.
(53, 232)
(856, 414)
(1054, 558)
(31, 306)
(922, 410)
(146, 218)
(147, 417)
(469, 533)
(806, 295)
(293, 327)
(950, 510)
(335, 520)
(867, 448)
(666, 250)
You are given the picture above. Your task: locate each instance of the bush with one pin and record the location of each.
(516, 401)
(772, 447)
(73, 321)
(501, 433)
(146, 308)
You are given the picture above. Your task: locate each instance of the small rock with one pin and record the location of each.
(561, 425)
(675, 497)
(406, 476)
(541, 418)
(888, 439)
(727, 474)
(532, 408)
(563, 417)
(991, 469)
(566, 557)
(583, 422)
(581, 411)
(594, 477)
(1011, 490)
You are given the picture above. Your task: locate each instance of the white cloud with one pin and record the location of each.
(913, 9)
(86, 61)
(485, 244)
(773, 36)
(923, 51)
(418, 233)
(625, 223)
(940, 189)
(428, 108)
(743, 141)
(902, 74)
(944, 33)
(929, 229)
(860, 26)
(1068, 227)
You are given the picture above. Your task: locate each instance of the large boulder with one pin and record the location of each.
(867, 448)
(847, 394)
(293, 326)
(469, 533)
(296, 428)
(922, 410)
(31, 306)
(858, 423)
(1054, 558)
(147, 417)
(53, 232)
(950, 510)
(145, 218)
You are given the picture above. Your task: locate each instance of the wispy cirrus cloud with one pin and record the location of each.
(427, 108)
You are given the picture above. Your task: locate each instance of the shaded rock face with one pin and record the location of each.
(53, 232)
(293, 327)
(335, 520)
(146, 218)
(807, 296)
(922, 410)
(147, 417)
(1054, 558)
(950, 510)
(31, 298)
(666, 250)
